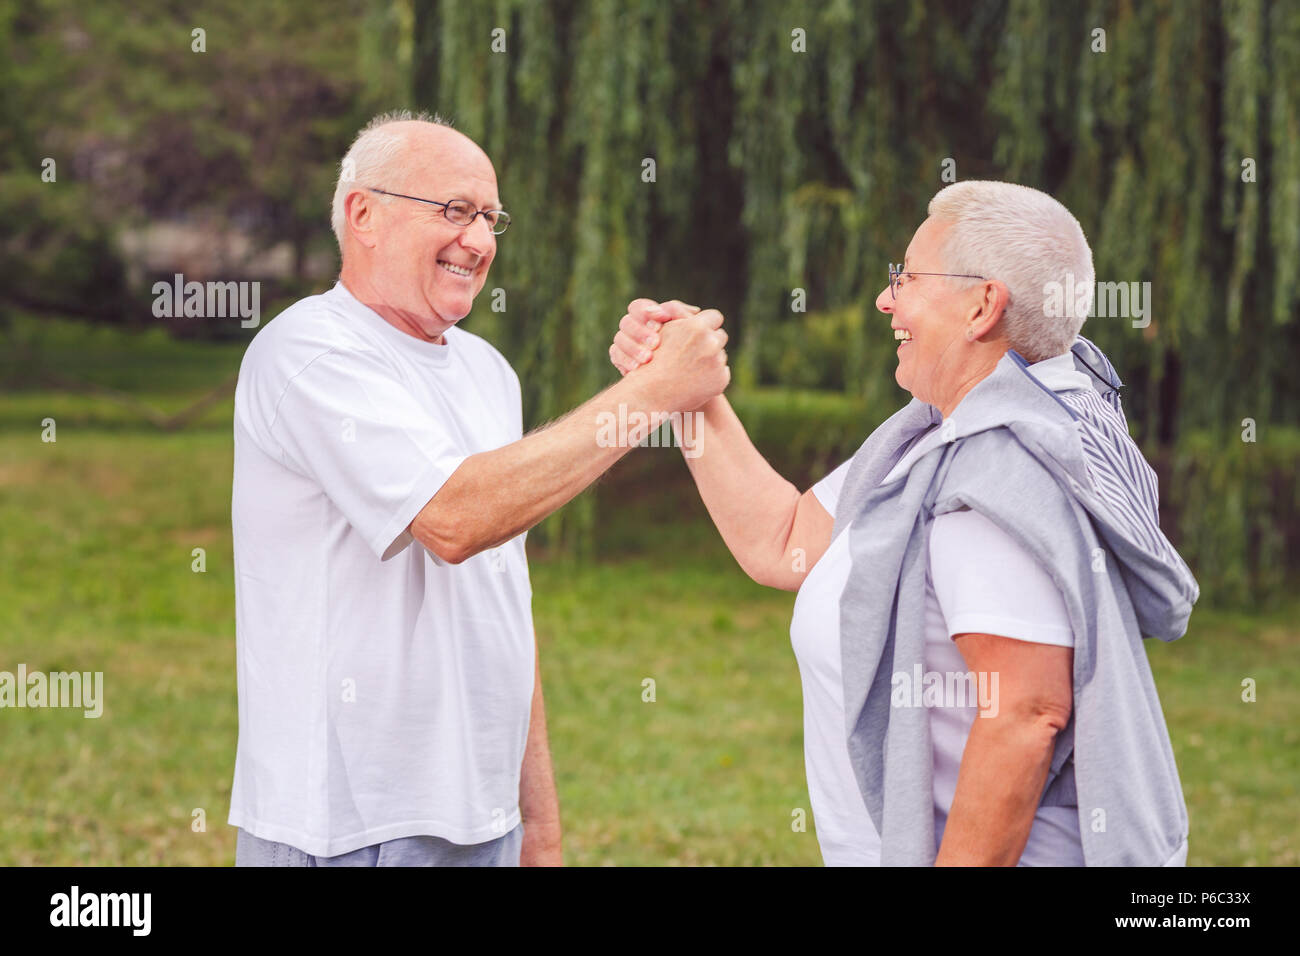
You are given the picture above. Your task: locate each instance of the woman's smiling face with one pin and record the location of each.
(937, 360)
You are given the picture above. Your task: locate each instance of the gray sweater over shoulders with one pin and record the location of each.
(1064, 479)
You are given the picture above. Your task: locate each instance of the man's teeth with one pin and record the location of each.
(455, 270)
(902, 335)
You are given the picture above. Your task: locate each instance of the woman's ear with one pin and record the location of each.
(993, 301)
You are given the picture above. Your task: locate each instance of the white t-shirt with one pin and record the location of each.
(979, 581)
(383, 693)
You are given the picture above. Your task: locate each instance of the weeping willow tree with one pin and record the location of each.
(744, 154)
(1179, 149)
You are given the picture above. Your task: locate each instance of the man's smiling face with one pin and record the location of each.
(428, 268)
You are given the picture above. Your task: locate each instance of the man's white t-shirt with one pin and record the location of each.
(980, 580)
(383, 693)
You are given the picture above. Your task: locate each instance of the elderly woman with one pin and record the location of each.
(975, 583)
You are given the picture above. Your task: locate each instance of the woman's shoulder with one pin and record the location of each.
(994, 472)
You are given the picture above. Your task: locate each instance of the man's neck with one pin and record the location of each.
(400, 319)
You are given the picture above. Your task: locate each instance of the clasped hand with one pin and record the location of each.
(677, 348)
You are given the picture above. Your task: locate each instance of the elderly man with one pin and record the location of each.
(974, 585)
(390, 700)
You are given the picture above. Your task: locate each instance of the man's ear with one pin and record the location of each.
(359, 214)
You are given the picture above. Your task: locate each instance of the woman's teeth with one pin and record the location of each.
(455, 270)
(902, 335)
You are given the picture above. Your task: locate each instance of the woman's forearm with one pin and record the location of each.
(1003, 771)
(775, 533)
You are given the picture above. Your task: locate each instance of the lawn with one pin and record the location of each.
(99, 530)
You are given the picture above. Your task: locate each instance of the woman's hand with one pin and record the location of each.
(638, 331)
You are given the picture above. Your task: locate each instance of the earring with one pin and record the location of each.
(970, 335)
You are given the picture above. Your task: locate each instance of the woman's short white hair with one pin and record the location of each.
(372, 160)
(1034, 245)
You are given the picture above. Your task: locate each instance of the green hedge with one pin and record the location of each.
(806, 434)
(1235, 508)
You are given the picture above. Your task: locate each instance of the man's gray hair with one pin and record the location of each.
(1029, 241)
(372, 161)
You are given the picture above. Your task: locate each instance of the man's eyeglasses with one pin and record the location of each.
(461, 212)
(896, 272)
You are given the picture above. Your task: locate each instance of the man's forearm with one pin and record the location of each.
(1003, 771)
(752, 505)
(539, 804)
(495, 495)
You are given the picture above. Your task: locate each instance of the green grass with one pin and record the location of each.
(98, 530)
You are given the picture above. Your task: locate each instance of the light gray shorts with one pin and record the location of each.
(407, 851)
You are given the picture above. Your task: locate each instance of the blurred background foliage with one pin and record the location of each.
(779, 173)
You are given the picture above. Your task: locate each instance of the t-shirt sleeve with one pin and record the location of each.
(348, 422)
(828, 489)
(987, 583)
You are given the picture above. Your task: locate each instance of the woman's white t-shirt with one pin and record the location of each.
(979, 581)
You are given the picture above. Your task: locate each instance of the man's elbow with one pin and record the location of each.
(449, 539)
(449, 552)
(452, 554)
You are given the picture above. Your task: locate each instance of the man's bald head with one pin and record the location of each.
(397, 148)
(402, 256)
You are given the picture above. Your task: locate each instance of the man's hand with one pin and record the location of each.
(541, 846)
(638, 331)
(692, 363)
(539, 805)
